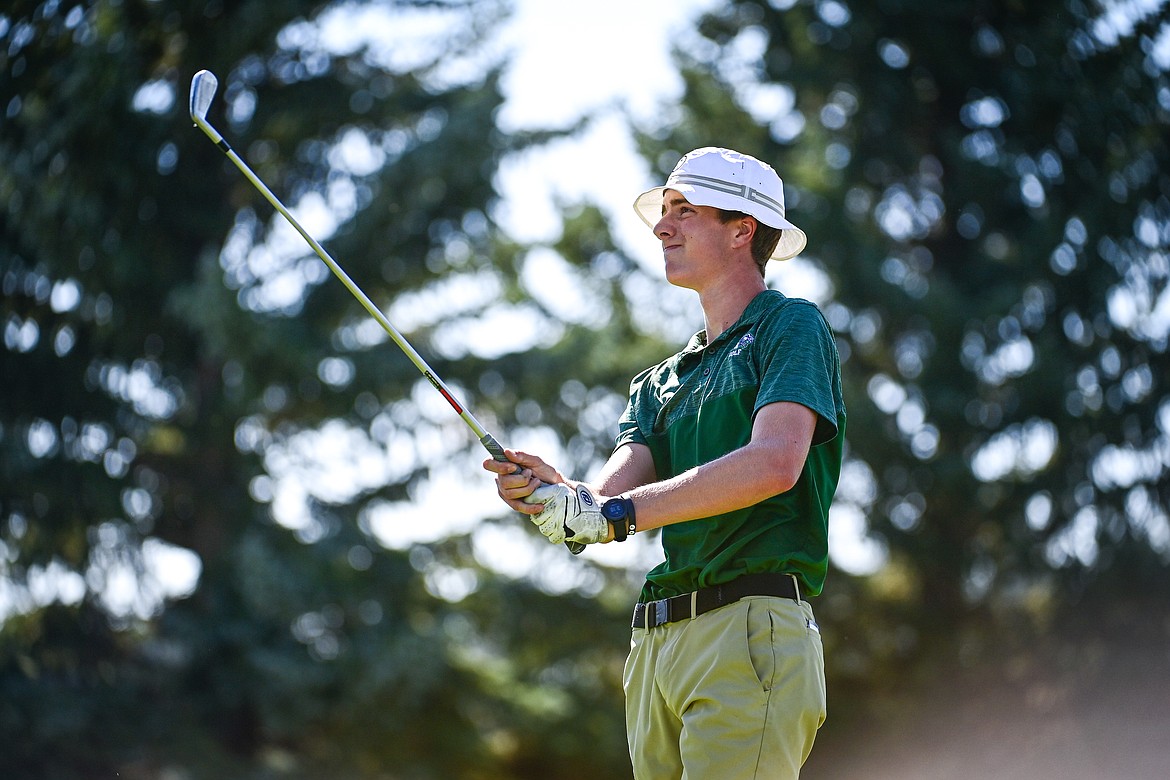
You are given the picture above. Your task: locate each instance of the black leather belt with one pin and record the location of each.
(691, 605)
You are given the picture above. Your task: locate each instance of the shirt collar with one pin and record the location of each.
(751, 314)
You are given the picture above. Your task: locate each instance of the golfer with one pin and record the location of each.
(733, 448)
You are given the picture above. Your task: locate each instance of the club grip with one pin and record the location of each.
(494, 449)
(497, 452)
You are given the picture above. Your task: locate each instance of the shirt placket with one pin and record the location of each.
(689, 383)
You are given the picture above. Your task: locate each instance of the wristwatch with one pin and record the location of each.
(620, 514)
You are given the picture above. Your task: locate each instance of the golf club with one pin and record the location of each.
(203, 87)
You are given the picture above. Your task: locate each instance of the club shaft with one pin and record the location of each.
(485, 438)
(375, 312)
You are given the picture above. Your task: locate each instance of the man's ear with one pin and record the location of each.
(745, 231)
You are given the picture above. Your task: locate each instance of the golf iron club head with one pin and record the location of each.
(203, 86)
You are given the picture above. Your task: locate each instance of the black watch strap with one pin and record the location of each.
(631, 518)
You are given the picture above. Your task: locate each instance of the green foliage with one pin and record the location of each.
(984, 184)
(154, 358)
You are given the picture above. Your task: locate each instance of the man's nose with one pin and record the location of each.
(664, 228)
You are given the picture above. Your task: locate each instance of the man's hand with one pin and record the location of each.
(570, 514)
(519, 476)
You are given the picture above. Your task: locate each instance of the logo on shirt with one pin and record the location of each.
(746, 341)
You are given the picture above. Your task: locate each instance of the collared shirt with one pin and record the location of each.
(700, 404)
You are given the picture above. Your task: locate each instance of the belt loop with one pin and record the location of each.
(795, 587)
(694, 604)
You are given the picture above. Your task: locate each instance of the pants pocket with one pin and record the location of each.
(761, 645)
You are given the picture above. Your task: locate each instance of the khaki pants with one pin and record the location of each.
(738, 692)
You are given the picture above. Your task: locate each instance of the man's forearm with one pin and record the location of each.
(629, 467)
(737, 480)
(767, 466)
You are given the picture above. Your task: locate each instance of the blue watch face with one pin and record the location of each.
(615, 509)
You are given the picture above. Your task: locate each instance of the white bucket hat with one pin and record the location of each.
(726, 179)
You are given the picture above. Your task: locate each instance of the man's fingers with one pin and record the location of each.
(526, 508)
(516, 491)
(501, 466)
(541, 470)
(514, 481)
(524, 504)
(516, 487)
(519, 477)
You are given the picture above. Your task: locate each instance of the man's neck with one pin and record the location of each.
(723, 303)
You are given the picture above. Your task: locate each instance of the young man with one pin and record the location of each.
(733, 448)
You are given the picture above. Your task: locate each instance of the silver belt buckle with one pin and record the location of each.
(661, 614)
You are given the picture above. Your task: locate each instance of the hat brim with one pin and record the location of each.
(648, 207)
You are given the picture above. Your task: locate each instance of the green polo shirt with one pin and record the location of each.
(700, 404)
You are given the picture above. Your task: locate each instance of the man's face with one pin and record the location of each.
(695, 243)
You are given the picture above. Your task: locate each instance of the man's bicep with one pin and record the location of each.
(631, 465)
(785, 428)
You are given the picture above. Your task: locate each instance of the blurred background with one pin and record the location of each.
(241, 537)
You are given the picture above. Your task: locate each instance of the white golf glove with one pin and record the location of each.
(569, 514)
